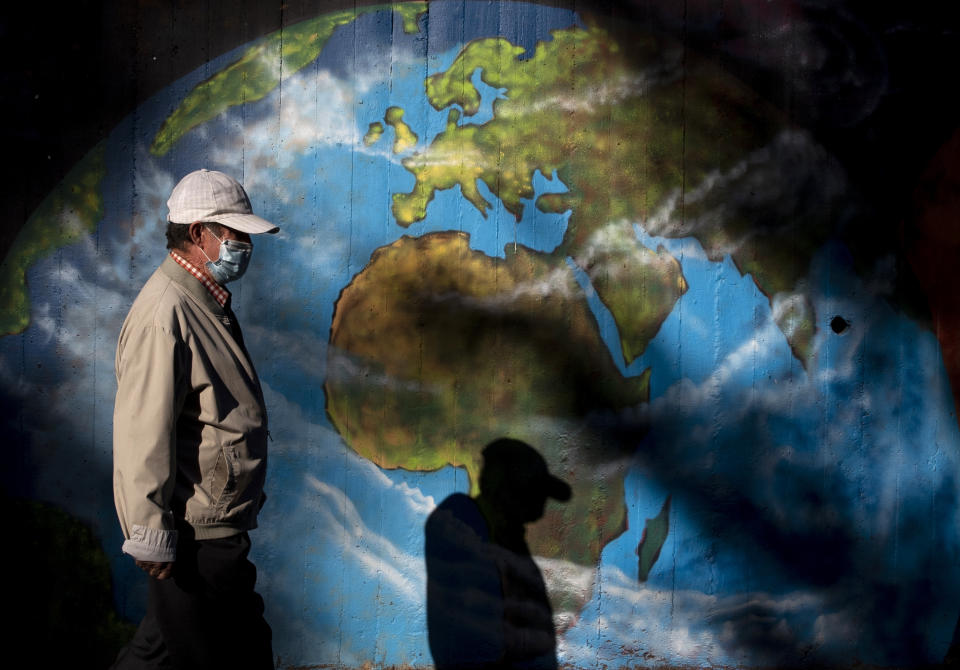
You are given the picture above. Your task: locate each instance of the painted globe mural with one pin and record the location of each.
(509, 219)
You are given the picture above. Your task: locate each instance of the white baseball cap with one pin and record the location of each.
(215, 197)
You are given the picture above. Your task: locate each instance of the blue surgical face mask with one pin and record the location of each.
(232, 261)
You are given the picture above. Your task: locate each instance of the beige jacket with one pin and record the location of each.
(189, 424)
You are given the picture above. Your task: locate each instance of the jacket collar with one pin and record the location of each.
(192, 285)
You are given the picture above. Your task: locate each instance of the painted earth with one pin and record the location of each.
(504, 219)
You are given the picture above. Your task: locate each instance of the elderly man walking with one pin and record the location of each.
(190, 440)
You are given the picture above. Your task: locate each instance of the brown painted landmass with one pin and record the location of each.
(655, 533)
(437, 349)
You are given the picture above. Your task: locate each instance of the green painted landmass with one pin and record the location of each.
(625, 132)
(452, 159)
(437, 349)
(404, 138)
(494, 55)
(259, 70)
(374, 133)
(651, 542)
(71, 210)
(576, 107)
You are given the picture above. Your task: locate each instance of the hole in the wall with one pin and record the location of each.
(839, 325)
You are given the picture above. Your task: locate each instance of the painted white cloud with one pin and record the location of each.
(628, 624)
(600, 95)
(377, 555)
(352, 539)
(152, 188)
(290, 423)
(312, 109)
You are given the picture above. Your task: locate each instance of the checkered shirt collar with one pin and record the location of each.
(219, 293)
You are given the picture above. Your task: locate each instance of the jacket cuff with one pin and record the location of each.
(151, 544)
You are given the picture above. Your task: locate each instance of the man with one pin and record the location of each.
(487, 605)
(190, 440)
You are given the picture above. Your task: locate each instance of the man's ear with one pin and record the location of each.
(195, 231)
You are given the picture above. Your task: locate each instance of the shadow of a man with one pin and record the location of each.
(487, 604)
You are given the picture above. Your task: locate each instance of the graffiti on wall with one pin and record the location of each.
(509, 219)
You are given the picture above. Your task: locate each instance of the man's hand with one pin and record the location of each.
(156, 570)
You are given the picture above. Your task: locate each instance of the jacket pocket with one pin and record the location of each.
(223, 480)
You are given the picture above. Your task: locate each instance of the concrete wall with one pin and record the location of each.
(699, 258)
